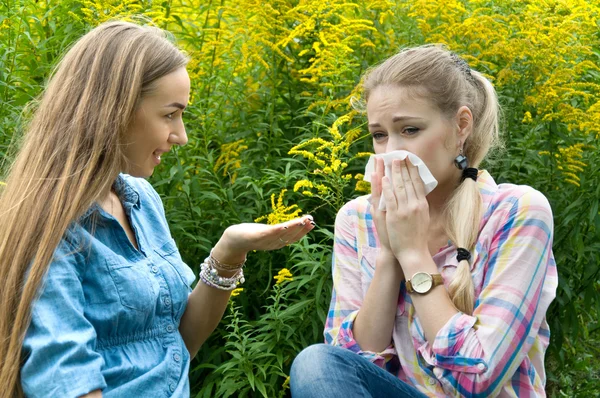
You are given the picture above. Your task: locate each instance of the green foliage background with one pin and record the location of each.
(269, 77)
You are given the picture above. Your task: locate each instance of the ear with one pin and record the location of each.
(464, 121)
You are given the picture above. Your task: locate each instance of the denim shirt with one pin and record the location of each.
(107, 315)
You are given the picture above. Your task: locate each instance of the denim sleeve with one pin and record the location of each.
(58, 350)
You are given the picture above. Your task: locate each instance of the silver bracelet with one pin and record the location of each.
(210, 276)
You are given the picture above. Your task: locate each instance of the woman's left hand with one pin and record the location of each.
(407, 211)
(239, 239)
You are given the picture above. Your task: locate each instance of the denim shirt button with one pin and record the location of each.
(170, 328)
(154, 269)
(176, 357)
(167, 301)
(172, 387)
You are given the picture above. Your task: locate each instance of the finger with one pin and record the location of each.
(302, 232)
(417, 181)
(376, 183)
(294, 230)
(388, 194)
(407, 181)
(398, 182)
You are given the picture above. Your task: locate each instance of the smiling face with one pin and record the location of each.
(158, 124)
(400, 119)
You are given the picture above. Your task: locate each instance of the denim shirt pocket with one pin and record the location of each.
(134, 287)
(169, 252)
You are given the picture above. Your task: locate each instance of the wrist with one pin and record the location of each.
(387, 263)
(416, 261)
(226, 253)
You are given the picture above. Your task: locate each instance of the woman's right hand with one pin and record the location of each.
(379, 216)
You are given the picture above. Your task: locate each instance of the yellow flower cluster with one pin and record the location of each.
(236, 292)
(551, 42)
(96, 12)
(2, 183)
(283, 276)
(229, 158)
(569, 162)
(281, 213)
(361, 185)
(331, 157)
(322, 189)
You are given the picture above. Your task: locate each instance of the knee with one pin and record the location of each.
(313, 363)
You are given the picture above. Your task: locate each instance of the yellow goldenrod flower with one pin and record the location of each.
(230, 158)
(363, 186)
(281, 213)
(527, 118)
(283, 276)
(236, 292)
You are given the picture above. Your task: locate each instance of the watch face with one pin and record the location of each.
(421, 282)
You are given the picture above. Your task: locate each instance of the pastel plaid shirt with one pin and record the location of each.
(496, 351)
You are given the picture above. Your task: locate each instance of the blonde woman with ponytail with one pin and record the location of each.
(442, 294)
(95, 299)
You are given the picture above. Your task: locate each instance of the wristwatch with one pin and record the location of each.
(422, 282)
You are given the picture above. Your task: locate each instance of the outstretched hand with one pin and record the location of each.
(239, 239)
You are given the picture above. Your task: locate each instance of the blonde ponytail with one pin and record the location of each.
(463, 214)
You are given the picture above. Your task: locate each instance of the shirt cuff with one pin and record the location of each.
(346, 340)
(456, 347)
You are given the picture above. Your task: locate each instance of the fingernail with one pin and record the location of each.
(313, 223)
(310, 217)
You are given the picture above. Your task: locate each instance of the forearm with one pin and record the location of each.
(434, 308)
(207, 304)
(204, 310)
(379, 306)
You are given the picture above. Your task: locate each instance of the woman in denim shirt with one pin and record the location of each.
(95, 299)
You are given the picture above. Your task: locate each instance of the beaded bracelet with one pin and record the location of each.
(210, 276)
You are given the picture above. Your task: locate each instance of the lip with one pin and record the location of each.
(156, 156)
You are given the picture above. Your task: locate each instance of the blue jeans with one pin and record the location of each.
(323, 370)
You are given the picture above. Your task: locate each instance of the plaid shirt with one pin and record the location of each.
(496, 351)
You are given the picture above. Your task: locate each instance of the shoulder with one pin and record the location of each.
(141, 186)
(513, 206)
(357, 208)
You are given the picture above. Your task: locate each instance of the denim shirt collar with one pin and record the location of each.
(127, 194)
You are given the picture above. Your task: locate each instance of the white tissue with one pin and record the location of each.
(428, 180)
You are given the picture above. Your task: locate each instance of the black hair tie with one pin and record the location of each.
(463, 254)
(469, 172)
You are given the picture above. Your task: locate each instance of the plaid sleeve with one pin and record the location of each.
(479, 354)
(347, 296)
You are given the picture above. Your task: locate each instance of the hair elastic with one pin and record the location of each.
(469, 172)
(463, 254)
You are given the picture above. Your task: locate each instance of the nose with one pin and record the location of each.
(179, 137)
(394, 144)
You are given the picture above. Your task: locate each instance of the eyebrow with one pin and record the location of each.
(175, 105)
(397, 119)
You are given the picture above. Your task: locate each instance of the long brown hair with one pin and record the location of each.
(71, 154)
(441, 78)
